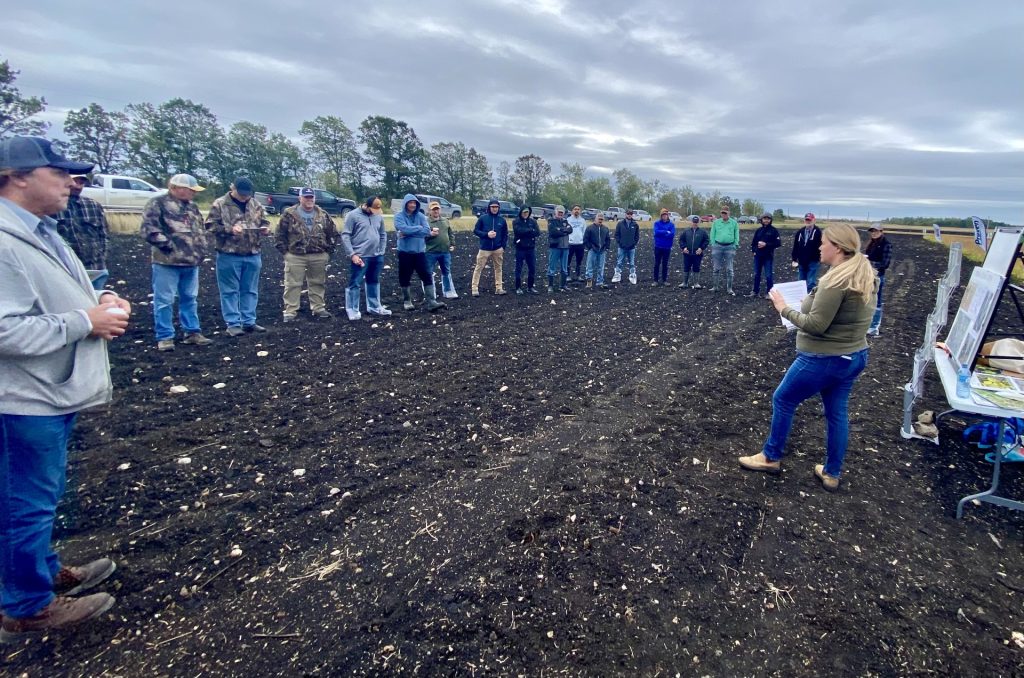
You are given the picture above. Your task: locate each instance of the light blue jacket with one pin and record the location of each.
(412, 229)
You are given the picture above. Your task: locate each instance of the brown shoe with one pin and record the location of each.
(72, 580)
(59, 614)
(196, 339)
(759, 462)
(830, 483)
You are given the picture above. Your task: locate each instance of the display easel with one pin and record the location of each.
(972, 325)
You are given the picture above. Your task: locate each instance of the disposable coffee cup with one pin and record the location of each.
(117, 311)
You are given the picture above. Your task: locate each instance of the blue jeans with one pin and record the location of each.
(370, 270)
(238, 279)
(876, 320)
(809, 272)
(33, 458)
(444, 259)
(170, 282)
(558, 260)
(765, 265)
(595, 264)
(809, 375)
(622, 256)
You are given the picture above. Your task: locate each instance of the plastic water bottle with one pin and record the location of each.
(963, 382)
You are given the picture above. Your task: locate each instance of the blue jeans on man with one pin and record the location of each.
(444, 260)
(170, 282)
(238, 279)
(811, 374)
(558, 261)
(765, 266)
(624, 256)
(33, 458)
(595, 264)
(808, 272)
(876, 319)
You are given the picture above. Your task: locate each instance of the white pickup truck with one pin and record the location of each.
(120, 193)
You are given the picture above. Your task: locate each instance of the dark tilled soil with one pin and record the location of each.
(525, 486)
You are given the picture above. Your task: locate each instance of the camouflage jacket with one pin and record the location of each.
(224, 214)
(84, 226)
(175, 230)
(294, 238)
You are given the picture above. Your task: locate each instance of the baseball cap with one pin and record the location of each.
(374, 204)
(29, 153)
(629, 211)
(307, 192)
(875, 227)
(80, 176)
(243, 186)
(185, 181)
(809, 215)
(695, 219)
(433, 204)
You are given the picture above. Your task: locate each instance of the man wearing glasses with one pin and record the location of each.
(807, 251)
(725, 238)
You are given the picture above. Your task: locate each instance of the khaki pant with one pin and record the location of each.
(497, 259)
(311, 268)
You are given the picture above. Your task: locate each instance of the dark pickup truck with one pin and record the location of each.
(275, 203)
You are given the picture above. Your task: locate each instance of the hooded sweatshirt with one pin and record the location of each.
(488, 222)
(627, 234)
(579, 227)
(772, 240)
(525, 230)
(664, 234)
(412, 228)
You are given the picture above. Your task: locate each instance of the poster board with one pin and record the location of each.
(975, 312)
(1003, 250)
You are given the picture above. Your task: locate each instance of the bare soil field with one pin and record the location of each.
(537, 485)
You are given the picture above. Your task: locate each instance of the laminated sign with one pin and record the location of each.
(980, 234)
(938, 232)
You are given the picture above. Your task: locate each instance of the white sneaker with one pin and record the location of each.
(451, 295)
(632, 278)
(617, 277)
(353, 315)
(698, 286)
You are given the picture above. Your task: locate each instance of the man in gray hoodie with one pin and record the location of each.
(365, 241)
(53, 363)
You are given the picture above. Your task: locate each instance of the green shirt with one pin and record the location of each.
(439, 244)
(725, 232)
(832, 321)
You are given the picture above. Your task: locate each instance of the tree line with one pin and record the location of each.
(382, 155)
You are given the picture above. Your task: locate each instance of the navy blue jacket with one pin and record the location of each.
(772, 241)
(491, 222)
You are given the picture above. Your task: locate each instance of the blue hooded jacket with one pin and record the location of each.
(412, 229)
(664, 234)
(491, 222)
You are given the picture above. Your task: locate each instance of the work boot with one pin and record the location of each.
(563, 288)
(433, 304)
(373, 305)
(830, 483)
(72, 580)
(235, 331)
(196, 339)
(759, 462)
(728, 283)
(254, 328)
(407, 299)
(165, 345)
(323, 314)
(59, 614)
(551, 284)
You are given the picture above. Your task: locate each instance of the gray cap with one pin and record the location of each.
(29, 153)
(185, 181)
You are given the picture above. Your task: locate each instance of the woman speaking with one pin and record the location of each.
(831, 349)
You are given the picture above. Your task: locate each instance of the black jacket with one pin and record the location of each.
(558, 233)
(627, 234)
(525, 232)
(597, 237)
(879, 253)
(772, 241)
(807, 250)
(694, 239)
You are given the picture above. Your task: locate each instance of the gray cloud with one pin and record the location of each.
(850, 107)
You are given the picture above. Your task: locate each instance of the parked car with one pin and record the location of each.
(120, 193)
(551, 208)
(747, 220)
(674, 217)
(708, 218)
(589, 213)
(275, 203)
(615, 213)
(449, 210)
(478, 207)
(539, 213)
(642, 215)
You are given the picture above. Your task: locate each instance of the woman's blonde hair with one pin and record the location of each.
(855, 273)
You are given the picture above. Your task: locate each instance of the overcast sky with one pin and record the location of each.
(850, 107)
